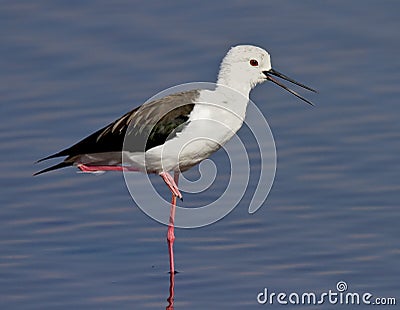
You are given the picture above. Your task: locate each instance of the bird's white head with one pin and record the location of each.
(242, 67)
(245, 66)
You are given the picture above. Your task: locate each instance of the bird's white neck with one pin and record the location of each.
(243, 88)
(233, 96)
(225, 78)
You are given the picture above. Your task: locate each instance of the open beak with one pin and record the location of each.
(284, 77)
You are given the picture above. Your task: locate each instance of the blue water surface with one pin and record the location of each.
(73, 241)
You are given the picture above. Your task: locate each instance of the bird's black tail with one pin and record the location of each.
(59, 154)
(58, 166)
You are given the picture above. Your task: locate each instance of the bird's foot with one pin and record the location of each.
(169, 180)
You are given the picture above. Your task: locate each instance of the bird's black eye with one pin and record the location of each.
(253, 62)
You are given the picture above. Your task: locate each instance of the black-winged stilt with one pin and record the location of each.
(174, 133)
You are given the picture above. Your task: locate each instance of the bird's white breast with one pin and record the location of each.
(215, 118)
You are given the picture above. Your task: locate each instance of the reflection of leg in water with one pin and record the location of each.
(171, 297)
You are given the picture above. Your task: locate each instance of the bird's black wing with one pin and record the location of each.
(141, 129)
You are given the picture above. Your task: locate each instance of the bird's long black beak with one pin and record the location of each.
(284, 77)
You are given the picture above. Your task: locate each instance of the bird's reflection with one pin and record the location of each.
(171, 296)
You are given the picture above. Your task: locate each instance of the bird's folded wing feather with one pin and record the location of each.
(143, 128)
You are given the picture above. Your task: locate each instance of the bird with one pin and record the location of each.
(173, 133)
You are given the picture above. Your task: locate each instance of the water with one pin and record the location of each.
(78, 241)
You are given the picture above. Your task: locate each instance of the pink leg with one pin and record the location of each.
(170, 233)
(88, 168)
